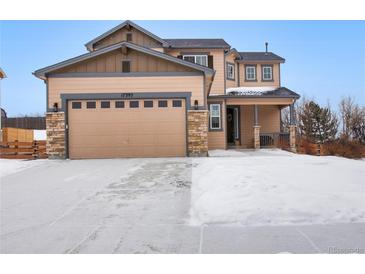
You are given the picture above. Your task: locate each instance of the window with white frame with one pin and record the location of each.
(197, 59)
(230, 71)
(251, 73)
(267, 73)
(215, 116)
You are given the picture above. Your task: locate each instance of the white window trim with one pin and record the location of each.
(263, 73)
(211, 116)
(230, 77)
(198, 55)
(255, 73)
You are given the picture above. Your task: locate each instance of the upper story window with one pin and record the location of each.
(250, 73)
(197, 59)
(267, 73)
(215, 116)
(230, 71)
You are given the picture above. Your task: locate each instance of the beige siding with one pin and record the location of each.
(232, 83)
(269, 120)
(218, 64)
(217, 139)
(138, 38)
(127, 132)
(259, 82)
(112, 62)
(260, 101)
(193, 84)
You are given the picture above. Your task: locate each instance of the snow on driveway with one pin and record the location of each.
(274, 187)
(159, 205)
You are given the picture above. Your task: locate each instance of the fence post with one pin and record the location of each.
(16, 146)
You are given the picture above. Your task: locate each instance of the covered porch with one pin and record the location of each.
(254, 120)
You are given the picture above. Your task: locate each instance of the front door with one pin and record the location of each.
(233, 129)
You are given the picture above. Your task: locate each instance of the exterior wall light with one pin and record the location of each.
(55, 107)
(196, 105)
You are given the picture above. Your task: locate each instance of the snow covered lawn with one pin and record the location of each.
(274, 187)
(8, 167)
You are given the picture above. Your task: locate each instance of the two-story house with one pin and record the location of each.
(135, 94)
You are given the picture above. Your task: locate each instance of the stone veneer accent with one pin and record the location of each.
(292, 136)
(256, 137)
(198, 133)
(55, 125)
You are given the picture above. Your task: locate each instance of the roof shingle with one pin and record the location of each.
(260, 56)
(197, 43)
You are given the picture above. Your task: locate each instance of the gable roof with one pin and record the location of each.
(198, 43)
(90, 44)
(41, 73)
(260, 56)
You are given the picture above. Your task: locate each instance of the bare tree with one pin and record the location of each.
(352, 119)
(346, 108)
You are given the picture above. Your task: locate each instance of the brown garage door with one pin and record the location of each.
(126, 128)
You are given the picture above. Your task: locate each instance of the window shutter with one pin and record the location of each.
(210, 61)
(179, 56)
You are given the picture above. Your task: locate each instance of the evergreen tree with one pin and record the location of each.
(317, 124)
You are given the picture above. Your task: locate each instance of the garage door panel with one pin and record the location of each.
(126, 129)
(125, 132)
(105, 141)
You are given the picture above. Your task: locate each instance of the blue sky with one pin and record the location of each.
(325, 60)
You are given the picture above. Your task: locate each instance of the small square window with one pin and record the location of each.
(119, 104)
(76, 105)
(90, 104)
(176, 103)
(105, 104)
(133, 104)
(162, 104)
(126, 66)
(148, 104)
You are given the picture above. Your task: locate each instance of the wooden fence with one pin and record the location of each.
(24, 122)
(306, 147)
(23, 150)
(22, 135)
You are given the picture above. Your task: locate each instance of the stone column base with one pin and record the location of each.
(56, 133)
(198, 133)
(256, 137)
(292, 138)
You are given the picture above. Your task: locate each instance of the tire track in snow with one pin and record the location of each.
(309, 240)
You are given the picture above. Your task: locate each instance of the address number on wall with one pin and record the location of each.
(126, 95)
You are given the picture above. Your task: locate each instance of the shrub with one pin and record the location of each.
(344, 148)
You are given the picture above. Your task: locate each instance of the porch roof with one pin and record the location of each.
(258, 92)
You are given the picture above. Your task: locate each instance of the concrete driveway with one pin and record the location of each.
(137, 206)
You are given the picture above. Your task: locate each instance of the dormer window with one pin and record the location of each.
(267, 73)
(129, 37)
(197, 59)
(250, 73)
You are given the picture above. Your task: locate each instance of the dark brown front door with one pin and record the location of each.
(233, 134)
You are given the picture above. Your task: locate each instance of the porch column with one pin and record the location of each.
(256, 128)
(292, 129)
